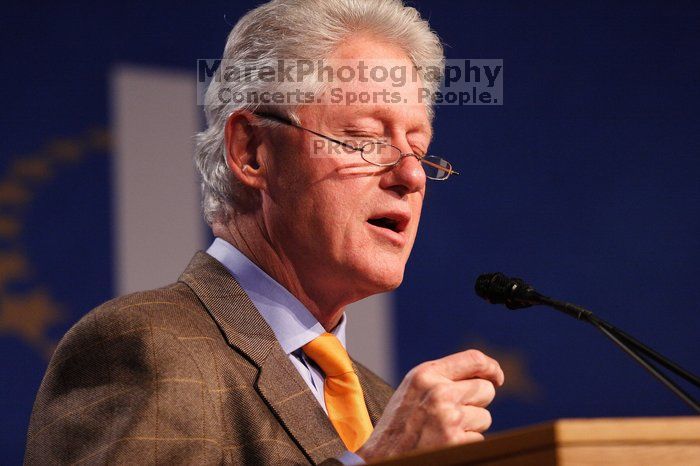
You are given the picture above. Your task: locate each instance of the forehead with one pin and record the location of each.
(370, 81)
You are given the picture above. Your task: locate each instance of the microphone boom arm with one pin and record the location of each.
(514, 293)
(585, 315)
(632, 347)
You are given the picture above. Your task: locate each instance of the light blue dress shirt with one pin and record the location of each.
(293, 324)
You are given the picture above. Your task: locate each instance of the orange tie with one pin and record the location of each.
(344, 400)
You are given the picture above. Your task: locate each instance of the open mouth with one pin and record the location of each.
(385, 222)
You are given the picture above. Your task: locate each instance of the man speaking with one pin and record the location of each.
(314, 205)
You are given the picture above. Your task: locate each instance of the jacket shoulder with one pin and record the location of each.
(137, 363)
(172, 309)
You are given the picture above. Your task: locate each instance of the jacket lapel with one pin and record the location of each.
(279, 383)
(375, 391)
(292, 401)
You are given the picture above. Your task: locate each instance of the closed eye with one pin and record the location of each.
(365, 136)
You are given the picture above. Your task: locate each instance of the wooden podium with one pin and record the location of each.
(632, 441)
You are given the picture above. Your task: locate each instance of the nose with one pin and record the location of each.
(406, 177)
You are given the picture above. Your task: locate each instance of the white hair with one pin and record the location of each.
(299, 29)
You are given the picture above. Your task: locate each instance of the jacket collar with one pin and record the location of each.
(278, 383)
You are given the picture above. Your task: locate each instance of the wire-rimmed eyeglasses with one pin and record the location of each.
(380, 153)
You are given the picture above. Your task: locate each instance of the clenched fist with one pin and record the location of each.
(438, 403)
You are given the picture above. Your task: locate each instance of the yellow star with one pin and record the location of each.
(9, 227)
(30, 317)
(13, 266)
(12, 193)
(66, 149)
(519, 383)
(33, 168)
(99, 139)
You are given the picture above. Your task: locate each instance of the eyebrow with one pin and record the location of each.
(381, 116)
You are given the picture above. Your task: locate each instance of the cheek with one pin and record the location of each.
(336, 214)
(338, 210)
(322, 219)
(311, 208)
(416, 209)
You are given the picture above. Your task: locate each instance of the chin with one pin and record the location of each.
(384, 279)
(374, 270)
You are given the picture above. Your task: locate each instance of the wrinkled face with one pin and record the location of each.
(346, 226)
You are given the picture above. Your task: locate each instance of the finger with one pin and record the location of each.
(461, 438)
(475, 392)
(469, 437)
(475, 419)
(467, 365)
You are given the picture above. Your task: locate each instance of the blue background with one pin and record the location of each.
(585, 182)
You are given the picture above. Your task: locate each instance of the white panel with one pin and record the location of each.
(158, 225)
(370, 334)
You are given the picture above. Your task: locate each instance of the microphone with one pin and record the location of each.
(496, 288)
(514, 293)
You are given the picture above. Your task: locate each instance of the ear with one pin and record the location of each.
(243, 150)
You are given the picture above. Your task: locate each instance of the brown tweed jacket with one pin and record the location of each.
(186, 374)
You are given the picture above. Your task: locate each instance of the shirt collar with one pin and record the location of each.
(292, 323)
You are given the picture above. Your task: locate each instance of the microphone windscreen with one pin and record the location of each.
(498, 288)
(491, 287)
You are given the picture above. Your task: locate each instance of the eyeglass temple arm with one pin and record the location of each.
(279, 119)
(344, 144)
(434, 165)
